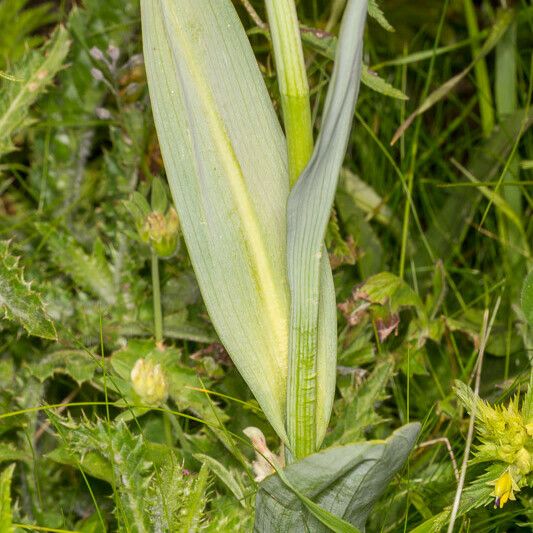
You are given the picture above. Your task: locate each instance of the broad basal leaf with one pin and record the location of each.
(345, 481)
(18, 301)
(225, 159)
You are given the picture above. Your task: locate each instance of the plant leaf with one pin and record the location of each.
(376, 13)
(373, 81)
(6, 517)
(225, 158)
(224, 475)
(90, 272)
(18, 301)
(344, 481)
(312, 337)
(36, 70)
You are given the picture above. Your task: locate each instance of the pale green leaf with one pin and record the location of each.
(344, 481)
(225, 159)
(36, 71)
(18, 301)
(6, 517)
(312, 338)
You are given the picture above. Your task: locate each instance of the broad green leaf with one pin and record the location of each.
(344, 481)
(387, 288)
(18, 302)
(36, 71)
(526, 297)
(225, 159)
(312, 337)
(6, 517)
(77, 364)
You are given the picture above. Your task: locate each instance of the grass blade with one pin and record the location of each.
(504, 20)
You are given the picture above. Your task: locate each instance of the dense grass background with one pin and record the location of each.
(447, 209)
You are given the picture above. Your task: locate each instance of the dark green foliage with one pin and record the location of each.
(424, 237)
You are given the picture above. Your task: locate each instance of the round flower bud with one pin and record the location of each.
(149, 382)
(163, 231)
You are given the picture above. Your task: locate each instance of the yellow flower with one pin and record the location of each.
(149, 382)
(504, 488)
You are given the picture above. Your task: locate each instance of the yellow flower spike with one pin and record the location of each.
(504, 488)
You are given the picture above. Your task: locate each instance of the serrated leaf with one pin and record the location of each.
(526, 297)
(224, 475)
(376, 13)
(37, 70)
(77, 364)
(357, 409)
(91, 272)
(6, 516)
(8, 452)
(373, 81)
(387, 288)
(225, 159)
(18, 301)
(344, 481)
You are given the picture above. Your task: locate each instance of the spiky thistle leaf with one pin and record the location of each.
(18, 301)
(36, 71)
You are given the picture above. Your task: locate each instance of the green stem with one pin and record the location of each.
(294, 90)
(293, 85)
(156, 292)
